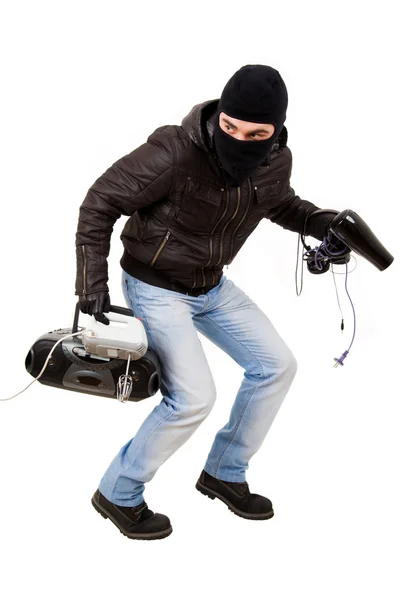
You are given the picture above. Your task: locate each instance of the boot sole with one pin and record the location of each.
(156, 535)
(213, 494)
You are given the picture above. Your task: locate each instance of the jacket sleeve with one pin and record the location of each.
(136, 180)
(290, 211)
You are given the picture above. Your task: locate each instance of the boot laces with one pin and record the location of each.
(241, 486)
(139, 509)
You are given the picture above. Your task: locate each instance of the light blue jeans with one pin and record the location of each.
(232, 321)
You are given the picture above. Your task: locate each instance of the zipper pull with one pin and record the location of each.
(84, 272)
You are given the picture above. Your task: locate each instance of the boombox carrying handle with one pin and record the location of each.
(121, 310)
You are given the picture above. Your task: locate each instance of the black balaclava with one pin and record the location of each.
(258, 94)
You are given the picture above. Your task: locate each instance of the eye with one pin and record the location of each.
(228, 127)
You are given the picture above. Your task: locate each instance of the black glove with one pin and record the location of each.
(95, 304)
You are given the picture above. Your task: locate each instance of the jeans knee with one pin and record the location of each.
(198, 406)
(283, 363)
(208, 399)
(289, 364)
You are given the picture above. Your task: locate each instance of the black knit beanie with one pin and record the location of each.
(256, 93)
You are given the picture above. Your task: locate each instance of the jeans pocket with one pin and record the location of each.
(125, 290)
(131, 290)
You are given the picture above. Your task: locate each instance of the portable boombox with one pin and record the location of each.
(73, 367)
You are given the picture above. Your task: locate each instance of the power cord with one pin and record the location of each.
(321, 259)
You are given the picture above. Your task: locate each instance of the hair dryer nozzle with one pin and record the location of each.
(349, 227)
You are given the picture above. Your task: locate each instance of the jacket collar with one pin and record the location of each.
(198, 125)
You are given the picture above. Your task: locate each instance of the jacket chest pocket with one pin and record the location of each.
(199, 206)
(267, 194)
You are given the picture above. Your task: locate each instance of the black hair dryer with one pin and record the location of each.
(349, 227)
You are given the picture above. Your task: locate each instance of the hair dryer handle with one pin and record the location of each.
(349, 227)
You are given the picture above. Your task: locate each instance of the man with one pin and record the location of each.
(194, 193)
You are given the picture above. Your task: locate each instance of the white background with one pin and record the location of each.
(84, 83)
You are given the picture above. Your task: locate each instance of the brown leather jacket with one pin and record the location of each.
(185, 223)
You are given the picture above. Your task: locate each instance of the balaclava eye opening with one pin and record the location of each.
(258, 94)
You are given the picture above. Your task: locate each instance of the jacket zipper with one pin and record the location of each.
(226, 225)
(210, 246)
(165, 240)
(241, 221)
(84, 272)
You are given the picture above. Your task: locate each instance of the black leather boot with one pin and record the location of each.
(236, 496)
(136, 522)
